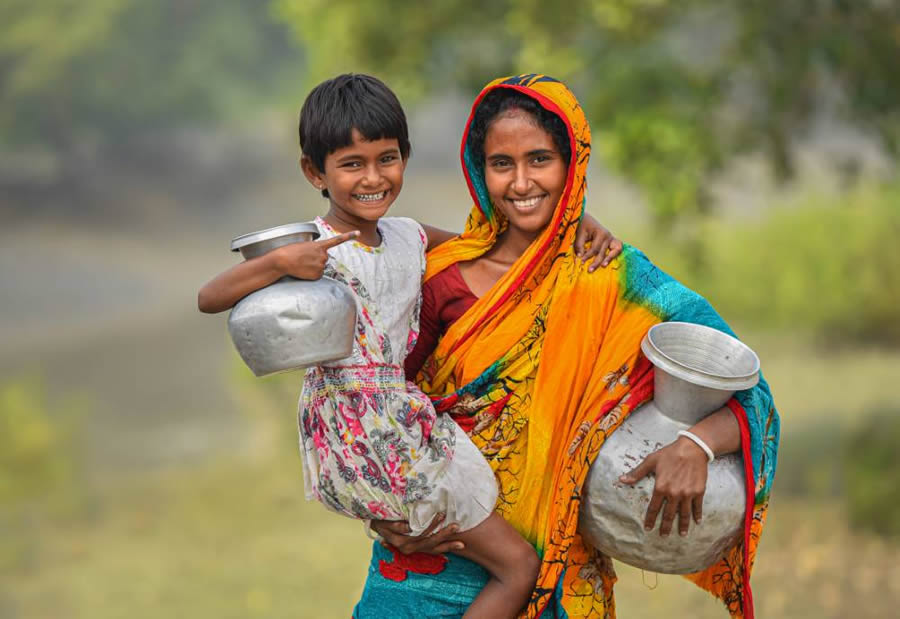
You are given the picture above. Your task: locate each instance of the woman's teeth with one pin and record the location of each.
(370, 197)
(527, 203)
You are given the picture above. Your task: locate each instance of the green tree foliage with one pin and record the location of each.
(673, 89)
(826, 265)
(106, 69)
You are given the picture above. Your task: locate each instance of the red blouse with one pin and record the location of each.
(445, 297)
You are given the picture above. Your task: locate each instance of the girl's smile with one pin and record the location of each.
(363, 179)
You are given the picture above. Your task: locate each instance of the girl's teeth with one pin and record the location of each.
(369, 197)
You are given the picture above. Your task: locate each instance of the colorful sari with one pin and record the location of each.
(540, 371)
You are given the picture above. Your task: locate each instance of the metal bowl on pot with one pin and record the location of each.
(290, 324)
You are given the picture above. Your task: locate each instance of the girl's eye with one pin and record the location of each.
(500, 163)
(541, 159)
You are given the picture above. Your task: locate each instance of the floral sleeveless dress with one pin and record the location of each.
(373, 446)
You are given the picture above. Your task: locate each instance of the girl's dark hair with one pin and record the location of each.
(351, 101)
(501, 100)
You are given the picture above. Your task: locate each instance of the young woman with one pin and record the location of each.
(518, 342)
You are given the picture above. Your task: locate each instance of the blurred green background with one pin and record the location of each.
(749, 147)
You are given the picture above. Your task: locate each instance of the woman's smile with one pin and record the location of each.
(524, 172)
(527, 205)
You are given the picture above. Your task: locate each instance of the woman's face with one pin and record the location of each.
(524, 171)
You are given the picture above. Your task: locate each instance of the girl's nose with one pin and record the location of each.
(371, 175)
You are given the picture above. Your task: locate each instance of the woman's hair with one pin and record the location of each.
(501, 100)
(351, 101)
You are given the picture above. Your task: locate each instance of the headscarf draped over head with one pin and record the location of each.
(526, 371)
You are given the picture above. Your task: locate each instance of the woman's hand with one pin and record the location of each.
(680, 469)
(604, 246)
(433, 541)
(307, 260)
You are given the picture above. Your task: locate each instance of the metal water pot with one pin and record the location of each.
(697, 370)
(292, 323)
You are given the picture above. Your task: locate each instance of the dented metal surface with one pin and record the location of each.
(290, 324)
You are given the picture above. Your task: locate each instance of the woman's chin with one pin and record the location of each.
(531, 225)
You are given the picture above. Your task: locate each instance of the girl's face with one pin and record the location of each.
(523, 170)
(362, 179)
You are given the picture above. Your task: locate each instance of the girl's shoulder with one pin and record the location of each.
(404, 229)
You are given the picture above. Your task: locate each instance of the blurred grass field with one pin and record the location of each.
(232, 536)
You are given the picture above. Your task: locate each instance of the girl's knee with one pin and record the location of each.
(526, 564)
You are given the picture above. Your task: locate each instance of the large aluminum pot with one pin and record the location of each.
(292, 323)
(697, 370)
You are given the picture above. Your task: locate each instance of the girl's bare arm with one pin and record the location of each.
(300, 260)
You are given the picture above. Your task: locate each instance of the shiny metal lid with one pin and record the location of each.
(268, 234)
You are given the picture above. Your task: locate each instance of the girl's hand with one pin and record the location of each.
(307, 260)
(432, 541)
(680, 469)
(604, 246)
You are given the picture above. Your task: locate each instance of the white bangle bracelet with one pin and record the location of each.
(700, 443)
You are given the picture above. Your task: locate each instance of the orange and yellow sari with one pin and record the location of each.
(527, 370)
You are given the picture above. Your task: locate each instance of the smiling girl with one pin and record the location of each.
(373, 445)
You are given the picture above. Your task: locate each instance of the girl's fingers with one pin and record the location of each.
(337, 240)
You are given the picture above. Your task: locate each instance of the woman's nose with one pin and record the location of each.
(521, 183)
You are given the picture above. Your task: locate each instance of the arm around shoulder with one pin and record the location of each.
(436, 236)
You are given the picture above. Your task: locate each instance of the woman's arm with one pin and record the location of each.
(300, 260)
(604, 247)
(434, 540)
(681, 470)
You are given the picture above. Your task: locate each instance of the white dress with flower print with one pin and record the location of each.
(373, 445)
